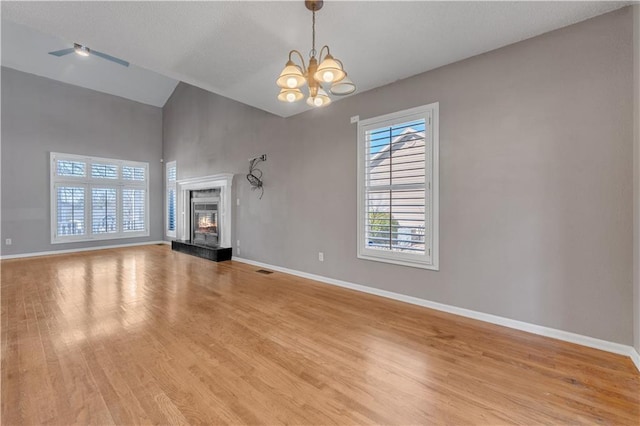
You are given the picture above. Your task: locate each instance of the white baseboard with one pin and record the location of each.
(635, 357)
(77, 250)
(566, 336)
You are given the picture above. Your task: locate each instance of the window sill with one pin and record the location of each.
(80, 239)
(413, 264)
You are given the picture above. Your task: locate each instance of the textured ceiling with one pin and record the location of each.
(237, 49)
(25, 49)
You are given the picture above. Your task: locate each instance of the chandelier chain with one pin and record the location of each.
(313, 34)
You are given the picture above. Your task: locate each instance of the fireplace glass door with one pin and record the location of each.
(205, 223)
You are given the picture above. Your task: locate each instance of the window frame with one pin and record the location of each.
(168, 185)
(89, 183)
(431, 259)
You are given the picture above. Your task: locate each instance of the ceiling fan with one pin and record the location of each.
(85, 51)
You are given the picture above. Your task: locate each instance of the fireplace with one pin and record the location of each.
(203, 225)
(205, 222)
(215, 188)
(205, 229)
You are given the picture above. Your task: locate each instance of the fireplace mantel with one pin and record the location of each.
(223, 181)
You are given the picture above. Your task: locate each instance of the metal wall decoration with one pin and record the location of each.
(255, 175)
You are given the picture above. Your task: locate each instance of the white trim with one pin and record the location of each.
(220, 180)
(77, 250)
(430, 259)
(636, 181)
(592, 342)
(635, 357)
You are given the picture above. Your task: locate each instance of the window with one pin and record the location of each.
(170, 185)
(104, 217)
(398, 188)
(70, 212)
(98, 198)
(133, 209)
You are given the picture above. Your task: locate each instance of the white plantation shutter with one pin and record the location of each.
(394, 187)
(71, 168)
(97, 198)
(133, 173)
(171, 202)
(70, 210)
(105, 171)
(396, 180)
(133, 209)
(104, 215)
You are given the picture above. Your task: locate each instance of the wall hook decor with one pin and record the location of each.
(255, 175)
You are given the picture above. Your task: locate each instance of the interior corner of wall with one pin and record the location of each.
(636, 175)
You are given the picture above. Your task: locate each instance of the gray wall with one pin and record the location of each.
(536, 179)
(41, 115)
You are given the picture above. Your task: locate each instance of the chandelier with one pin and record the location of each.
(330, 72)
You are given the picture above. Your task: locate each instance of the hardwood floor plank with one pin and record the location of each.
(10, 375)
(144, 335)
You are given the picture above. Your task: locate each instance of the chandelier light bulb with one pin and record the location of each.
(330, 70)
(327, 76)
(290, 95)
(321, 99)
(291, 74)
(292, 83)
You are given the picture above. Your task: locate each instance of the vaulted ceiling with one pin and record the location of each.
(237, 49)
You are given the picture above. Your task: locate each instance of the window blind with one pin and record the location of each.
(171, 188)
(104, 216)
(70, 210)
(395, 183)
(71, 168)
(105, 171)
(133, 209)
(133, 173)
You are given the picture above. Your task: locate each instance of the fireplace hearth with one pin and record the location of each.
(217, 254)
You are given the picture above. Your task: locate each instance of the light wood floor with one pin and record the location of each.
(146, 335)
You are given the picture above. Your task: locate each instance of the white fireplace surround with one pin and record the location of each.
(220, 181)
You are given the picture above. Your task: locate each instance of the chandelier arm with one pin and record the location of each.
(321, 50)
(304, 66)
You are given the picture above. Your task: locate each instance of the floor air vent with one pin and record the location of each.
(264, 271)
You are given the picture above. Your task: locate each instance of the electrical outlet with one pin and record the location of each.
(8, 241)
(238, 243)
(237, 201)
(321, 256)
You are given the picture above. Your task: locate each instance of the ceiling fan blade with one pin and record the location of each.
(110, 58)
(62, 52)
